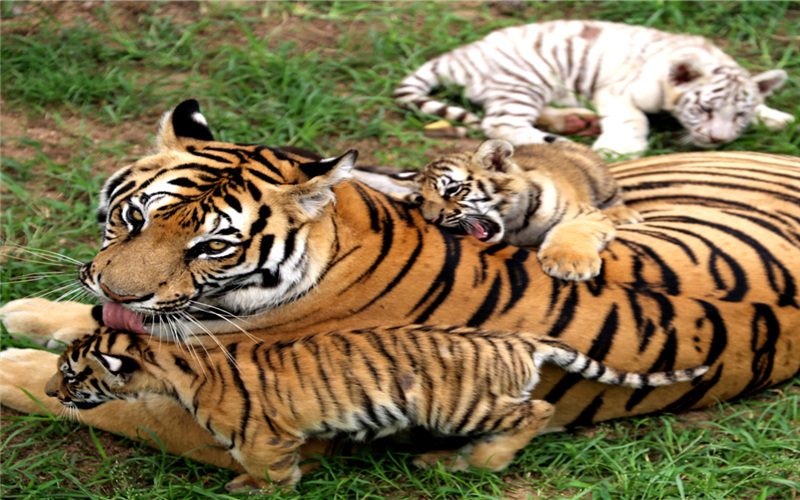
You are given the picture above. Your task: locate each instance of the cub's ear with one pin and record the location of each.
(317, 192)
(406, 179)
(493, 155)
(684, 71)
(122, 367)
(769, 81)
(182, 127)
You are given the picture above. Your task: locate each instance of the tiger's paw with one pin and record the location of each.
(568, 262)
(24, 372)
(50, 324)
(622, 214)
(450, 459)
(772, 118)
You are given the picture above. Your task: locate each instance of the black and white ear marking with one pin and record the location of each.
(493, 154)
(119, 366)
(112, 363)
(314, 194)
(405, 179)
(686, 71)
(187, 121)
(342, 164)
(769, 81)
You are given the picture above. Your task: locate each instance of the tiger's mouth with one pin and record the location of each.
(480, 227)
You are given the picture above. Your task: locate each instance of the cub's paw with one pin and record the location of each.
(569, 262)
(622, 214)
(48, 323)
(772, 118)
(27, 370)
(452, 460)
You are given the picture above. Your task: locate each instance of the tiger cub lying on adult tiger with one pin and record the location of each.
(247, 242)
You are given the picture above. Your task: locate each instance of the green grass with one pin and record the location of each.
(85, 85)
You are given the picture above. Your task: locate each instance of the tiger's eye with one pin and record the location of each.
(136, 215)
(217, 245)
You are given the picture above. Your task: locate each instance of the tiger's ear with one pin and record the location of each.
(408, 180)
(317, 192)
(493, 155)
(685, 71)
(122, 367)
(182, 127)
(769, 81)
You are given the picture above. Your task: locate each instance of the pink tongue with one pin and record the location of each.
(477, 231)
(117, 317)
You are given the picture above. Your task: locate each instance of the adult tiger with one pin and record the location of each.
(710, 277)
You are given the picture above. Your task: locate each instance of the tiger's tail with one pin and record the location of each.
(413, 92)
(573, 361)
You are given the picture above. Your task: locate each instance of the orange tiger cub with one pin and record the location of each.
(362, 383)
(560, 197)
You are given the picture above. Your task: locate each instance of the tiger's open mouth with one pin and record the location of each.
(480, 227)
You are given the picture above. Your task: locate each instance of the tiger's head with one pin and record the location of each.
(88, 377)
(214, 228)
(468, 192)
(715, 107)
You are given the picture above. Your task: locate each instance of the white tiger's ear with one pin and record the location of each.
(315, 193)
(685, 71)
(769, 81)
(182, 127)
(493, 155)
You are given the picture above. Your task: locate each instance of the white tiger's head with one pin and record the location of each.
(716, 106)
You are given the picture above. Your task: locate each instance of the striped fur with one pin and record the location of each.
(560, 197)
(263, 401)
(709, 278)
(623, 71)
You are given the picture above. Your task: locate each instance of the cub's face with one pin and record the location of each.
(716, 108)
(455, 194)
(468, 192)
(85, 380)
(211, 227)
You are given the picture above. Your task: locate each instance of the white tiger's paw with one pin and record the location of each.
(772, 118)
(27, 370)
(48, 323)
(570, 263)
(616, 149)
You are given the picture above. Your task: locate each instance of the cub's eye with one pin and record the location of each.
(452, 189)
(705, 109)
(72, 381)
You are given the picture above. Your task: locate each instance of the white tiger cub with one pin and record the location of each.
(560, 197)
(624, 71)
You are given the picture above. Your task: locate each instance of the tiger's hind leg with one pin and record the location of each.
(511, 110)
(571, 250)
(578, 121)
(516, 428)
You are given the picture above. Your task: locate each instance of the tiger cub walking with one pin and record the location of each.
(558, 196)
(264, 400)
(624, 71)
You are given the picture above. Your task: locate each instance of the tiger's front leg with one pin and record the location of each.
(624, 127)
(48, 323)
(773, 118)
(269, 460)
(571, 250)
